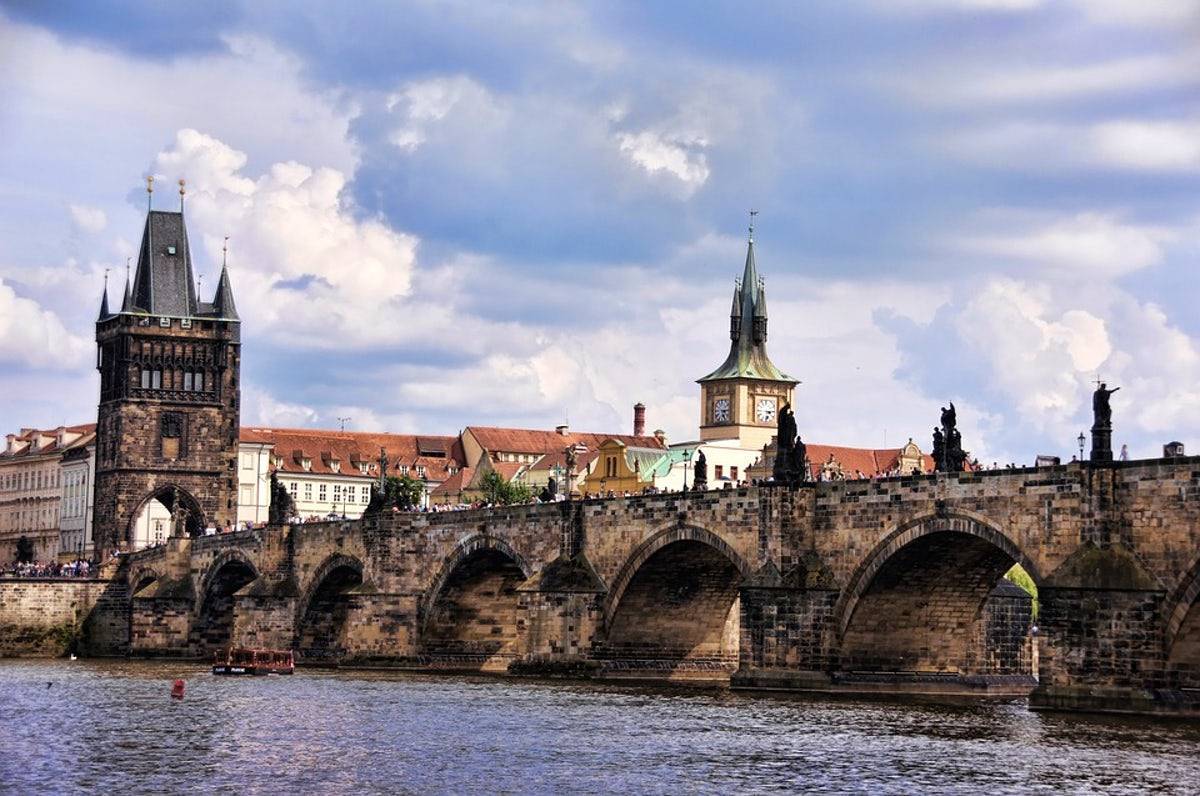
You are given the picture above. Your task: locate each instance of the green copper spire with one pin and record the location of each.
(748, 329)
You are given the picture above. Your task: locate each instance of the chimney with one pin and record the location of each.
(661, 436)
(639, 419)
(562, 430)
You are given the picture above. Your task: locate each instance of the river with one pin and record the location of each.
(111, 726)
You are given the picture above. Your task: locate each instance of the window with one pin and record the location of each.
(164, 323)
(308, 492)
(733, 473)
(247, 461)
(610, 467)
(171, 435)
(187, 381)
(292, 489)
(337, 493)
(365, 494)
(420, 471)
(185, 323)
(321, 493)
(718, 471)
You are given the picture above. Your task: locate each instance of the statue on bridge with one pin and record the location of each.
(948, 454)
(1101, 410)
(1102, 423)
(700, 480)
(790, 451)
(282, 506)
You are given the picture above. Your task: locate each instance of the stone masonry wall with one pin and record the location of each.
(49, 618)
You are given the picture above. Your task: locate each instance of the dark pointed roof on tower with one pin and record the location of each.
(747, 357)
(222, 304)
(164, 283)
(104, 313)
(127, 302)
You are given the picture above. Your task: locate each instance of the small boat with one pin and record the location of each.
(240, 660)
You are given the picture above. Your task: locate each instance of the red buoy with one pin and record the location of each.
(177, 689)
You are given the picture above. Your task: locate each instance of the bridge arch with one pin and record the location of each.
(325, 606)
(1181, 641)
(140, 578)
(212, 626)
(144, 530)
(470, 611)
(916, 601)
(676, 598)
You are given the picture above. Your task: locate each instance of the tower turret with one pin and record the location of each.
(741, 399)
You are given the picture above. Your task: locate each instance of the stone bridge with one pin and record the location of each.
(891, 585)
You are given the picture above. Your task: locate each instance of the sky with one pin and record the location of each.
(470, 213)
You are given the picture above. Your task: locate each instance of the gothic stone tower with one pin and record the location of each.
(742, 398)
(169, 398)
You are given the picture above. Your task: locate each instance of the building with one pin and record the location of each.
(332, 472)
(78, 468)
(32, 487)
(742, 398)
(167, 427)
(839, 462)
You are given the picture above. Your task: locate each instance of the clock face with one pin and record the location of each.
(721, 410)
(764, 410)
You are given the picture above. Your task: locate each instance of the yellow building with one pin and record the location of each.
(743, 397)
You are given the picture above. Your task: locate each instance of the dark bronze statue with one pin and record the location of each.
(1101, 410)
(700, 479)
(790, 452)
(800, 460)
(948, 455)
(282, 507)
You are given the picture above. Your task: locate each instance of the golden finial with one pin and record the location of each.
(149, 191)
(225, 251)
(182, 191)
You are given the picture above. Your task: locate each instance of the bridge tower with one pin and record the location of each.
(168, 417)
(742, 398)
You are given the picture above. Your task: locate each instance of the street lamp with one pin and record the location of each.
(687, 460)
(1081, 439)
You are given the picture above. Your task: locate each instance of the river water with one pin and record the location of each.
(112, 727)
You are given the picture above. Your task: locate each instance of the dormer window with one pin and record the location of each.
(170, 250)
(335, 465)
(306, 463)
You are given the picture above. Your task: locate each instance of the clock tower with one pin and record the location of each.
(741, 399)
(168, 418)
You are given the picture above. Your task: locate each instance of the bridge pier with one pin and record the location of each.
(1102, 643)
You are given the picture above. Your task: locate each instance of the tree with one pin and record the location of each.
(403, 493)
(1019, 576)
(499, 492)
(282, 507)
(24, 550)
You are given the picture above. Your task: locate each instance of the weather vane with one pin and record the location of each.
(225, 252)
(753, 213)
(149, 191)
(182, 191)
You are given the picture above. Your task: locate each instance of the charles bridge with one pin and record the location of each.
(887, 585)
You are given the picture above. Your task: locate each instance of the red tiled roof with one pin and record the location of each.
(867, 460)
(349, 448)
(454, 484)
(86, 432)
(520, 440)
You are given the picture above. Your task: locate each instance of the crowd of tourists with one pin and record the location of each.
(48, 569)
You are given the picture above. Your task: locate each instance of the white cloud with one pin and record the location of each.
(421, 104)
(32, 336)
(1148, 145)
(969, 83)
(679, 155)
(260, 408)
(1121, 144)
(304, 269)
(1095, 245)
(88, 219)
